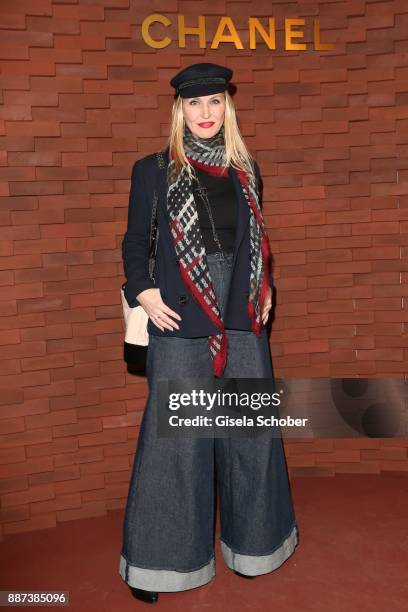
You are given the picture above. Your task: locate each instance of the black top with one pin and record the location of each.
(223, 202)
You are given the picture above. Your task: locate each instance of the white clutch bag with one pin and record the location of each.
(135, 322)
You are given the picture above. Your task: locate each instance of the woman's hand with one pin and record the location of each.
(267, 306)
(156, 309)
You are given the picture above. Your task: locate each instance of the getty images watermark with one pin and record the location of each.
(232, 407)
(226, 399)
(249, 407)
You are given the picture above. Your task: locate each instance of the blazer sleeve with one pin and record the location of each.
(136, 241)
(258, 180)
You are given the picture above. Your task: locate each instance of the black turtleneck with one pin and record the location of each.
(223, 201)
(220, 192)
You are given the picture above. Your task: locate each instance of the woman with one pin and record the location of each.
(207, 308)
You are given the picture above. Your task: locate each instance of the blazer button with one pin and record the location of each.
(183, 299)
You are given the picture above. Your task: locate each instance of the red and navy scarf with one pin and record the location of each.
(209, 155)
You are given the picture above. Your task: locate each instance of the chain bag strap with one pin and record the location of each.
(154, 229)
(135, 317)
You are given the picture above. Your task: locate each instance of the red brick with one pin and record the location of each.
(336, 356)
(294, 310)
(11, 425)
(310, 346)
(389, 291)
(392, 341)
(11, 455)
(334, 331)
(333, 280)
(77, 429)
(356, 342)
(17, 483)
(390, 252)
(50, 419)
(64, 445)
(386, 329)
(53, 388)
(17, 262)
(350, 242)
(113, 464)
(385, 316)
(387, 303)
(329, 255)
(110, 436)
(384, 227)
(331, 306)
(42, 464)
(35, 436)
(44, 333)
(42, 521)
(84, 483)
(44, 363)
(378, 278)
(391, 354)
(351, 370)
(348, 318)
(397, 453)
(336, 293)
(398, 466)
(87, 510)
(339, 229)
(83, 455)
(30, 495)
(362, 467)
(19, 513)
(357, 443)
(78, 400)
(345, 267)
(42, 507)
(68, 501)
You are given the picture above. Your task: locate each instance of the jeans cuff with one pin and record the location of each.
(254, 565)
(165, 580)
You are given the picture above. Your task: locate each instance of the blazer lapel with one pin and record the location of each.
(243, 212)
(162, 187)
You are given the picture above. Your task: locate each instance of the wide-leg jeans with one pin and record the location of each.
(168, 531)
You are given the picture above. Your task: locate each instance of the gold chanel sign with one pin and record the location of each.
(227, 33)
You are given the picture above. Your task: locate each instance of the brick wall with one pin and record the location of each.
(83, 97)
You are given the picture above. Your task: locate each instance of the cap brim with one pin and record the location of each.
(202, 90)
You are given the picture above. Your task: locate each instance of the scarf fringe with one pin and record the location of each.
(256, 324)
(220, 360)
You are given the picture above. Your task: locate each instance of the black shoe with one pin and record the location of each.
(147, 596)
(243, 575)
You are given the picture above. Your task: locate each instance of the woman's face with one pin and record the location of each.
(204, 115)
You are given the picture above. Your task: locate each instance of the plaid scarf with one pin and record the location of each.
(209, 155)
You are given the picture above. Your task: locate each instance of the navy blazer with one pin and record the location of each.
(146, 177)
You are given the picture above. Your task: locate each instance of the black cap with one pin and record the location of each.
(201, 80)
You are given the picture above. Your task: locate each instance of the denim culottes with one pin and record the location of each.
(169, 523)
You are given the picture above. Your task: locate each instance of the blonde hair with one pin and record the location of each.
(236, 152)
